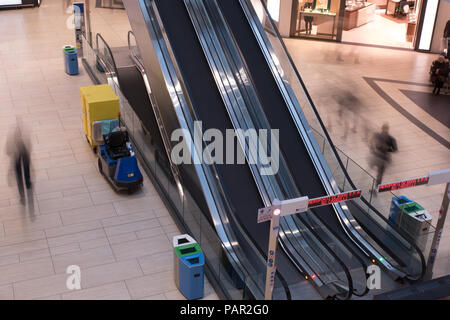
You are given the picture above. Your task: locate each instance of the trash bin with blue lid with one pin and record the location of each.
(395, 207)
(189, 269)
(70, 60)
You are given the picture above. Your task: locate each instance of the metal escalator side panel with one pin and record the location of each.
(169, 92)
(164, 134)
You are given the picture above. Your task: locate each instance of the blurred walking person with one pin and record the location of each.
(348, 112)
(18, 149)
(382, 145)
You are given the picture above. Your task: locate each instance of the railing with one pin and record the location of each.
(106, 58)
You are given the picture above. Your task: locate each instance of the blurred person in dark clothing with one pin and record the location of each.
(439, 73)
(382, 145)
(308, 19)
(348, 111)
(18, 149)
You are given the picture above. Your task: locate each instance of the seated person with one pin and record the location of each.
(116, 144)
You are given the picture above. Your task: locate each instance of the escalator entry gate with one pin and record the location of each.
(189, 265)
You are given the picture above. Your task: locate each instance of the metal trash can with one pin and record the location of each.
(395, 207)
(189, 267)
(70, 60)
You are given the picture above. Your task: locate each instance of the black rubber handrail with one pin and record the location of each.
(99, 36)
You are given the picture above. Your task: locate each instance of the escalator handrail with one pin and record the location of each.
(100, 37)
(398, 230)
(344, 267)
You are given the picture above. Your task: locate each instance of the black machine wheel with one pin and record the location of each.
(100, 166)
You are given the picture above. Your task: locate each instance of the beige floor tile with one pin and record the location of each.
(89, 213)
(155, 297)
(148, 233)
(151, 285)
(129, 227)
(174, 295)
(41, 287)
(6, 292)
(74, 170)
(66, 203)
(29, 224)
(23, 247)
(76, 237)
(140, 216)
(115, 291)
(71, 247)
(84, 258)
(9, 240)
(55, 297)
(138, 205)
(26, 270)
(33, 255)
(157, 262)
(109, 273)
(139, 248)
(72, 228)
(95, 243)
(124, 237)
(9, 259)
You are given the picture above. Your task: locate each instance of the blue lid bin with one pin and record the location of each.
(396, 203)
(71, 61)
(190, 270)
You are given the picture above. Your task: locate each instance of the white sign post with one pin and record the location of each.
(285, 208)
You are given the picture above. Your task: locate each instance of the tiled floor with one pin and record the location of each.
(122, 243)
(383, 30)
(114, 238)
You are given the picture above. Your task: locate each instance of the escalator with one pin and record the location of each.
(231, 193)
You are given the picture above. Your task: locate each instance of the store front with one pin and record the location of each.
(407, 24)
(19, 3)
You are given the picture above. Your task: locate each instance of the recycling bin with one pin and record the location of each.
(71, 61)
(177, 241)
(189, 268)
(416, 221)
(395, 207)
